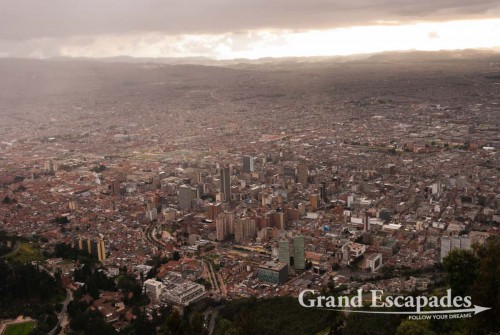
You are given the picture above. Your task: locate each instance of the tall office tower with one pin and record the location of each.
(244, 228)
(213, 211)
(284, 251)
(366, 222)
(221, 230)
(230, 219)
(238, 231)
(247, 164)
(94, 248)
(322, 192)
(195, 176)
(299, 253)
(115, 187)
(225, 183)
(224, 225)
(277, 219)
(454, 242)
(101, 250)
(251, 228)
(186, 196)
(445, 246)
(314, 199)
(302, 174)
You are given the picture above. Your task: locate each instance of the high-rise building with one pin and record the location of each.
(115, 187)
(366, 222)
(322, 193)
(299, 254)
(213, 211)
(101, 250)
(224, 225)
(230, 217)
(248, 164)
(277, 219)
(225, 183)
(238, 230)
(454, 242)
(302, 174)
(221, 230)
(244, 228)
(95, 248)
(314, 200)
(284, 251)
(186, 196)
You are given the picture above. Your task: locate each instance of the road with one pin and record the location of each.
(223, 290)
(214, 277)
(151, 238)
(213, 313)
(63, 316)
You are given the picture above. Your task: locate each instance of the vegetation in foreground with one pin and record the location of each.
(19, 328)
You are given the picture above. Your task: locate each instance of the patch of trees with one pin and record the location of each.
(30, 291)
(98, 168)
(8, 200)
(274, 316)
(61, 220)
(468, 273)
(132, 291)
(66, 251)
(86, 321)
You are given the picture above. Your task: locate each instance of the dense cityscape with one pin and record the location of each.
(154, 191)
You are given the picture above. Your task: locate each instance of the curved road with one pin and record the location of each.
(63, 316)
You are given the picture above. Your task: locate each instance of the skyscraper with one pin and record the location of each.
(284, 252)
(224, 225)
(302, 174)
(322, 192)
(238, 230)
(95, 248)
(221, 228)
(186, 196)
(225, 183)
(299, 257)
(247, 164)
(243, 228)
(213, 210)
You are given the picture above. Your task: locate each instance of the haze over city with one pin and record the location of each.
(206, 167)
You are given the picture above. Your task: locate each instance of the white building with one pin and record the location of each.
(153, 289)
(455, 242)
(181, 291)
(374, 262)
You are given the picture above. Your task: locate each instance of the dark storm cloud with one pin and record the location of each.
(31, 19)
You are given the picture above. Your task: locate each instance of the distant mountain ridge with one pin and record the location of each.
(389, 56)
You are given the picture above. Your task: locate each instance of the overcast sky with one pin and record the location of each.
(237, 28)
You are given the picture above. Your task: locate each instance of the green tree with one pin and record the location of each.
(486, 288)
(173, 324)
(413, 327)
(197, 323)
(461, 267)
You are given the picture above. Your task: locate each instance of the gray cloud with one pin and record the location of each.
(35, 19)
